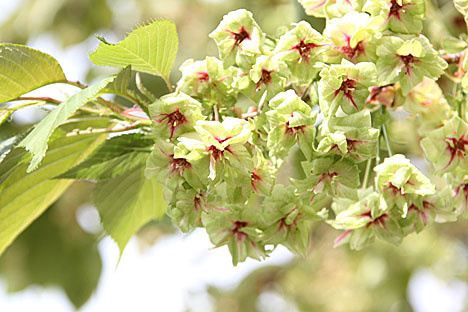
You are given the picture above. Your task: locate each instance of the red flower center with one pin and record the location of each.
(347, 87)
(197, 203)
(305, 49)
(294, 130)
(351, 145)
(352, 53)
(255, 178)
(395, 190)
(396, 8)
(456, 148)
(265, 79)
(240, 36)
(178, 164)
(380, 220)
(174, 119)
(235, 231)
(203, 76)
(215, 153)
(407, 60)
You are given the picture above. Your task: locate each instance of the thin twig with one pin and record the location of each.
(113, 106)
(76, 84)
(377, 157)
(215, 111)
(262, 101)
(366, 174)
(106, 130)
(168, 84)
(38, 99)
(384, 128)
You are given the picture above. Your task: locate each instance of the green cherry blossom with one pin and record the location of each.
(291, 121)
(328, 175)
(223, 143)
(237, 228)
(400, 181)
(239, 39)
(345, 86)
(364, 220)
(208, 80)
(175, 114)
(351, 37)
(351, 136)
(268, 75)
(289, 220)
(401, 16)
(447, 147)
(407, 59)
(300, 49)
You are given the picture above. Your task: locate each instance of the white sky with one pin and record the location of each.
(174, 271)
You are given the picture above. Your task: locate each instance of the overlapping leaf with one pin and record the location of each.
(114, 157)
(127, 203)
(150, 49)
(24, 196)
(23, 69)
(36, 141)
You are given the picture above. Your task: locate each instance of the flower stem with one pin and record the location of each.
(37, 99)
(76, 84)
(366, 173)
(215, 112)
(168, 84)
(387, 141)
(135, 125)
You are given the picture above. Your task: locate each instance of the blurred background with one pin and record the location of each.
(64, 263)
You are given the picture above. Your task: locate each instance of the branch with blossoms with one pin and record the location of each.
(279, 133)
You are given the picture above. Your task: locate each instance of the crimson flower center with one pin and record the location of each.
(179, 164)
(352, 53)
(407, 60)
(215, 153)
(255, 178)
(235, 231)
(294, 130)
(203, 76)
(240, 36)
(304, 49)
(395, 9)
(380, 220)
(347, 87)
(395, 190)
(456, 147)
(265, 79)
(174, 119)
(197, 203)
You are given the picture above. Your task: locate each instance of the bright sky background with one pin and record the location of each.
(174, 271)
(179, 267)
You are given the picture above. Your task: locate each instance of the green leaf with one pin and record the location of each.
(7, 145)
(121, 82)
(24, 196)
(23, 69)
(150, 49)
(126, 203)
(122, 86)
(114, 157)
(59, 253)
(36, 141)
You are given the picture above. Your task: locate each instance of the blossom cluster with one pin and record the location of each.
(227, 136)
